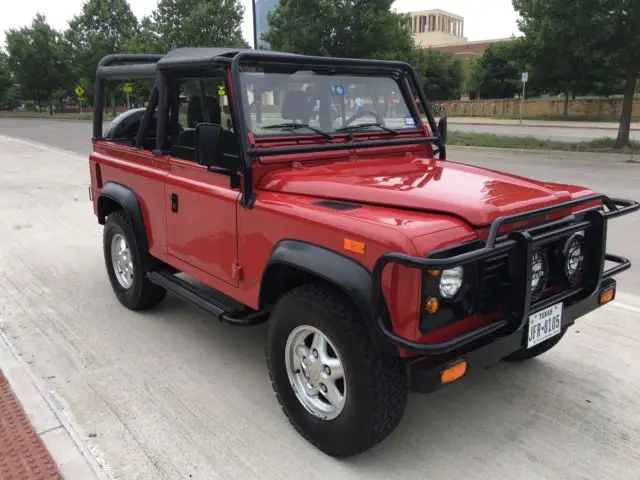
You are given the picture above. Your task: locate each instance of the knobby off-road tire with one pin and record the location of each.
(141, 293)
(526, 354)
(376, 384)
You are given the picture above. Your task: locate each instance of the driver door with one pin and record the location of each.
(201, 205)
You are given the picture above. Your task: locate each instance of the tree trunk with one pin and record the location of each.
(565, 110)
(627, 106)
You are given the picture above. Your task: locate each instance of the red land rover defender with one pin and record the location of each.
(255, 186)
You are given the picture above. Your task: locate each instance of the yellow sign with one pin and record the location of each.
(127, 88)
(221, 90)
(79, 91)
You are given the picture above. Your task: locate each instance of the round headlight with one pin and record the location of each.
(451, 281)
(539, 272)
(574, 258)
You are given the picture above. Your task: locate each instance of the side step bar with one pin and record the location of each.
(202, 299)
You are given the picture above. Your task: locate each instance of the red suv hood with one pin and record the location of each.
(476, 194)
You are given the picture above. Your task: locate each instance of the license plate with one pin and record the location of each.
(544, 324)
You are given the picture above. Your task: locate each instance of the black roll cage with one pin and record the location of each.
(129, 66)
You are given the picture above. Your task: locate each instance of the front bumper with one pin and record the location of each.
(497, 339)
(425, 372)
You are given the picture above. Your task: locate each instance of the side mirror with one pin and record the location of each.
(208, 144)
(442, 128)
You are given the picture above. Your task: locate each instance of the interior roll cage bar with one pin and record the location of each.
(150, 66)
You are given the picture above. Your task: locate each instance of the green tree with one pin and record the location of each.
(339, 28)
(495, 74)
(583, 46)
(38, 62)
(6, 81)
(195, 23)
(441, 74)
(103, 27)
(146, 39)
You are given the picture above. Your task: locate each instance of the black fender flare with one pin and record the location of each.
(343, 272)
(127, 199)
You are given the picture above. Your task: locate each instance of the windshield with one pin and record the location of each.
(311, 103)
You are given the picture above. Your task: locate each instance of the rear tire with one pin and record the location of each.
(374, 385)
(126, 267)
(528, 353)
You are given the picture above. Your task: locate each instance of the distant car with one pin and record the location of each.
(380, 265)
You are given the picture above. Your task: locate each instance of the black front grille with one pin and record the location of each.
(493, 283)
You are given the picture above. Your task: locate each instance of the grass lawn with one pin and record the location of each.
(569, 118)
(55, 116)
(603, 145)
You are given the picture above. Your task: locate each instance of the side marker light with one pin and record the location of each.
(454, 372)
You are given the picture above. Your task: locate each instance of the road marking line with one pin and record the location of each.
(42, 146)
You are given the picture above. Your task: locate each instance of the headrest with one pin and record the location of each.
(195, 114)
(296, 106)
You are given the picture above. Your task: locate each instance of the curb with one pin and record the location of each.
(67, 447)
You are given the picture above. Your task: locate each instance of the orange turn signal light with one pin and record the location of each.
(431, 305)
(354, 246)
(454, 372)
(607, 295)
(434, 273)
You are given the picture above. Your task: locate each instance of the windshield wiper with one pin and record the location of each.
(361, 126)
(295, 126)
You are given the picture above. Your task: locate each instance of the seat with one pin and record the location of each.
(195, 115)
(296, 106)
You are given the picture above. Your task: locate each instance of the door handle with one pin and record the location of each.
(174, 202)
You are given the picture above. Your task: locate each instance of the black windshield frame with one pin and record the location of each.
(403, 71)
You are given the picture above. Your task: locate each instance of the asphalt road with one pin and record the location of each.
(170, 393)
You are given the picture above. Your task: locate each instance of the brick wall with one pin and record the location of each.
(537, 107)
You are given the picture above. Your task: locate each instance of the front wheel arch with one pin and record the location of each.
(294, 263)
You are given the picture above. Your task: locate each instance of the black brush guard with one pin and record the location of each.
(521, 244)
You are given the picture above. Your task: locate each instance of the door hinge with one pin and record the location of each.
(237, 272)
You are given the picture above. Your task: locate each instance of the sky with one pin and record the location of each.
(484, 19)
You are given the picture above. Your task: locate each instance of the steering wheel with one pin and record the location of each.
(360, 114)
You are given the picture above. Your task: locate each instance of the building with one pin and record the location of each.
(436, 27)
(469, 49)
(262, 8)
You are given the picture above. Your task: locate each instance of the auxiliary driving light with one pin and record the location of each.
(451, 281)
(574, 258)
(539, 272)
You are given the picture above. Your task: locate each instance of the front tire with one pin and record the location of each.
(125, 266)
(347, 396)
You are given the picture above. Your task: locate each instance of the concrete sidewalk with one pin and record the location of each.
(539, 123)
(25, 456)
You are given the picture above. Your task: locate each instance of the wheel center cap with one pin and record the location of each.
(314, 372)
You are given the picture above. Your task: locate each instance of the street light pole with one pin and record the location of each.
(255, 25)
